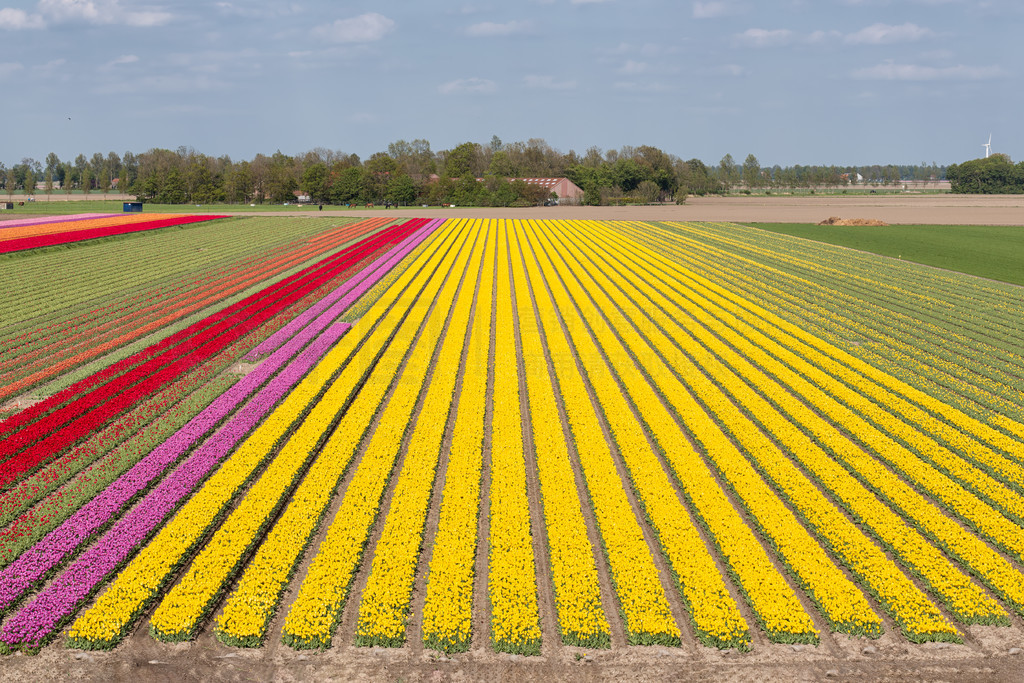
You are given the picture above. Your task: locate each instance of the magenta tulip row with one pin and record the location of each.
(49, 609)
(374, 271)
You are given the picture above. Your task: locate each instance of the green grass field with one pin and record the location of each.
(995, 252)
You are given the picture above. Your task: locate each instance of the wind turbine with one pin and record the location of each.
(988, 146)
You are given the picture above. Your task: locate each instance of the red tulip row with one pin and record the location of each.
(83, 342)
(36, 442)
(36, 241)
(74, 477)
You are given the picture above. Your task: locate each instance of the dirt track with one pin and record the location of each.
(945, 209)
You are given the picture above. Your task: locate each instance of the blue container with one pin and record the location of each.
(133, 207)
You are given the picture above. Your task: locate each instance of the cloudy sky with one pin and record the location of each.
(791, 81)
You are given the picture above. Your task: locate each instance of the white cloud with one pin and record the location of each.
(891, 71)
(18, 19)
(818, 37)
(633, 86)
(759, 37)
(169, 83)
(548, 83)
(9, 68)
(633, 67)
(734, 70)
(261, 11)
(879, 34)
(101, 12)
(469, 85)
(489, 28)
(365, 28)
(123, 59)
(713, 9)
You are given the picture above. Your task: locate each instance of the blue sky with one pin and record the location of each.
(791, 81)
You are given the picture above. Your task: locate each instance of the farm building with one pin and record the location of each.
(563, 188)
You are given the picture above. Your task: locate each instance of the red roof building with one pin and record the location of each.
(562, 187)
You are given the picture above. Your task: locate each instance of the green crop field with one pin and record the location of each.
(991, 251)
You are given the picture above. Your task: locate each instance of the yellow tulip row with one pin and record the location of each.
(581, 617)
(311, 620)
(137, 585)
(714, 614)
(908, 606)
(962, 597)
(447, 610)
(771, 598)
(957, 428)
(183, 609)
(952, 306)
(872, 425)
(943, 368)
(642, 598)
(254, 601)
(385, 600)
(512, 575)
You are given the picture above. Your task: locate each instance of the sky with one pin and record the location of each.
(845, 82)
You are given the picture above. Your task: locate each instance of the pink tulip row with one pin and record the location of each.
(54, 605)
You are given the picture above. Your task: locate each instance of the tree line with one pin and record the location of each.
(993, 175)
(410, 172)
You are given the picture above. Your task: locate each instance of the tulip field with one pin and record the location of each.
(501, 435)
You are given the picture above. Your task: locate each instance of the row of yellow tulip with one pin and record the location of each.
(909, 607)
(962, 597)
(188, 604)
(959, 423)
(311, 620)
(953, 306)
(771, 598)
(642, 598)
(936, 367)
(581, 617)
(512, 574)
(185, 607)
(713, 612)
(385, 600)
(109, 619)
(448, 607)
(254, 601)
(960, 486)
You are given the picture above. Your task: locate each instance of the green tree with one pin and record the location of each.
(347, 184)
(728, 172)
(463, 160)
(501, 165)
(751, 172)
(996, 174)
(316, 182)
(68, 182)
(239, 186)
(648, 191)
(401, 189)
(52, 166)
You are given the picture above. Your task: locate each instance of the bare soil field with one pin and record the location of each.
(943, 209)
(985, 657)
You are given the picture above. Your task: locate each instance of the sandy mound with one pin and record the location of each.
(836, 220)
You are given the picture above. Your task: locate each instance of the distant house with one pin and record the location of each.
(563, 188)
